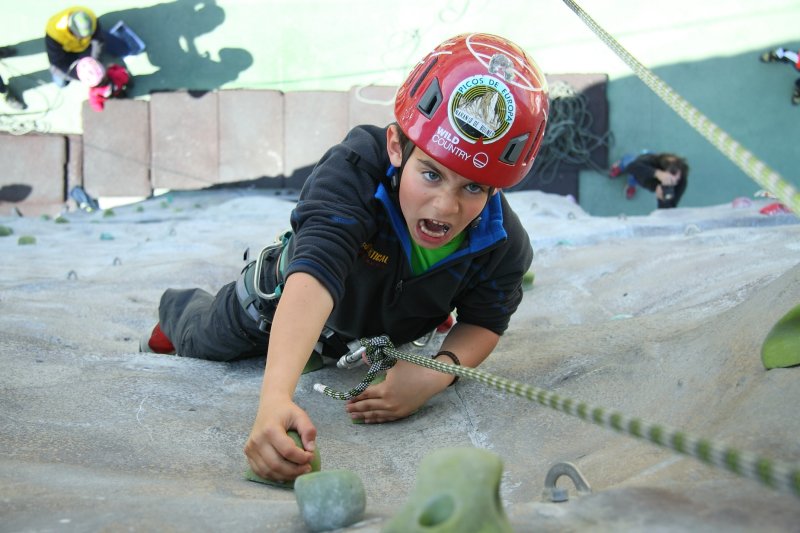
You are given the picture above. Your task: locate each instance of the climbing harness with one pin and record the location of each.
(254, 298)
(381, 355)
(739, 155)
(259, 301)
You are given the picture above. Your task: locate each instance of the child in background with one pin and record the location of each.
(71, 34)
(786, 56)
(104, 83)
(665, 174)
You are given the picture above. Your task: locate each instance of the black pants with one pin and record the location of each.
(210, 327)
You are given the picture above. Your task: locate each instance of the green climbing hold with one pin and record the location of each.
(108, 213)
(316, 466)
(61, 220)
(330, 500)
(527, 280)
(457, 491)
(5, 231)
(26, 239)
(781, 348)
(314, 363)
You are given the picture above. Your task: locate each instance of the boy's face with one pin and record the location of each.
(437, 203)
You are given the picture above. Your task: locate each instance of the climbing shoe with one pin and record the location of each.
(615, 170)
(156, 342)
(630, 192)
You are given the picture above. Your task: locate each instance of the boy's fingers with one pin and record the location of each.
(290, 452)
(269, 464)
(308, 434)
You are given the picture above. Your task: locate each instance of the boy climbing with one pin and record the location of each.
(395, 228)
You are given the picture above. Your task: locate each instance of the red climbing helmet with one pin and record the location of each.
(478, 105)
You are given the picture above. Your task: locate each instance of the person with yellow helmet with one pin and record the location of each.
(395, 228)
(71, 34)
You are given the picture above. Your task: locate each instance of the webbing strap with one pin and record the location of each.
(774, 474)
(739, 155)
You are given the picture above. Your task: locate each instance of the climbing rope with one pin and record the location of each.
(568, 137)
(381, 354)
(740, 156)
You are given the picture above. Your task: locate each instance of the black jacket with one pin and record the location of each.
(349, 234)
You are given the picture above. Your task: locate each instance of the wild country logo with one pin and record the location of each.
(482, 107)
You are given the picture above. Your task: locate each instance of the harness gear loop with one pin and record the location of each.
(279, 245)
(249, 291)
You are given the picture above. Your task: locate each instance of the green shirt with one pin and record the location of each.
(423, 258)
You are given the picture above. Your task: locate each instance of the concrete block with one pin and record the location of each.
(32, 174)
(74, 161)
(250, 135)
(116, 149)
(373, 104)
(184, 140)
(314, 121)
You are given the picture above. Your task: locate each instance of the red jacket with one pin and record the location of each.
(117, 78)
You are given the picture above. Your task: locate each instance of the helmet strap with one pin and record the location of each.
(474, 224)
(394, 179)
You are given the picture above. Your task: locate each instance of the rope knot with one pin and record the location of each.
(376, 357)
(376, 351)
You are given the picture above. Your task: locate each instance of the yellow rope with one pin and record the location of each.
(738, 154)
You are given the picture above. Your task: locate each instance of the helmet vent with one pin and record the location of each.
(431, 99)
(514, 149)
(422, 77)
(536, 142)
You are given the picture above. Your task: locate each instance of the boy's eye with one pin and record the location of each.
(474, 188)
(430, 175)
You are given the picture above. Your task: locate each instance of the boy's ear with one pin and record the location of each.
(393, 146)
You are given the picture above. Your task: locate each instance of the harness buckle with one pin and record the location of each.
(279, 245)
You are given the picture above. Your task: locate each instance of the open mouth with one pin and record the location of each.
(433, 228)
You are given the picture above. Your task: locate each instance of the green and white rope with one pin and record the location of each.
(777, 475)
(738, 154)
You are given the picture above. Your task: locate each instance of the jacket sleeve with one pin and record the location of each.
(336, 213)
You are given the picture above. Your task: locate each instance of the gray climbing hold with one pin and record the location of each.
(331, 499)
(457, 491)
